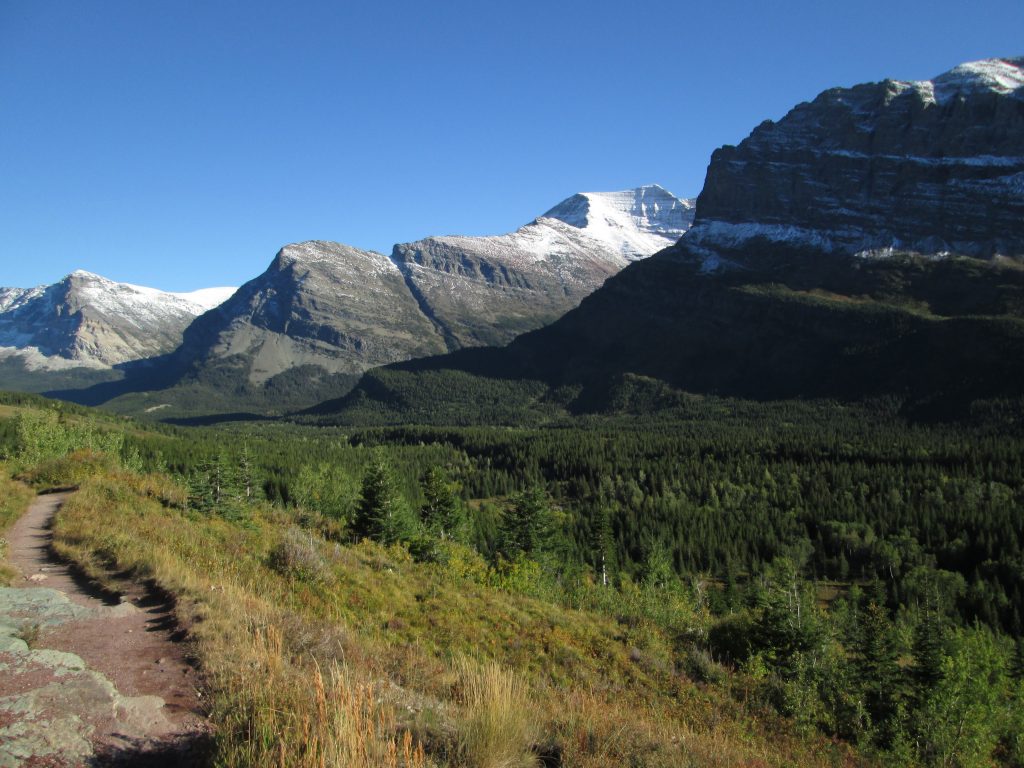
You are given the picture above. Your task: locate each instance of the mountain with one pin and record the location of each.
(346, 310)
(869, 244)
(933, 167)
(318, 303)
(487, 290)
(324, 312)
(87, 321)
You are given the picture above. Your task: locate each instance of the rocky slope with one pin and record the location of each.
(88, 321)
(318, 303)
(869, 243)
(931, 167)
(487, 290)
(324, 312)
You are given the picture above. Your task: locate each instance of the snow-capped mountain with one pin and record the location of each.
(933, 166)
(345, 310)
(868, 244)
(487, 290)
(634, 222)
(324, 312)
(89, 321)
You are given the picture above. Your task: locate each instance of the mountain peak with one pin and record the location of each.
(1002, 76)
(329, 255)
(636, 222)
(83, 274)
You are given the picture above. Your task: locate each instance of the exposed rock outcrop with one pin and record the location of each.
(88, 321)
(321, 303)
(930, 167)
(488, 290)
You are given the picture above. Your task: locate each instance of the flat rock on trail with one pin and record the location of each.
(85, 678)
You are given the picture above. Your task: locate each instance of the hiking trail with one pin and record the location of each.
(88, 678)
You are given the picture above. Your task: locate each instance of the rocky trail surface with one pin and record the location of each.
(87, 678)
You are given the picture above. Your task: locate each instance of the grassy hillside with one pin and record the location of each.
(469, 597)
(348, 648)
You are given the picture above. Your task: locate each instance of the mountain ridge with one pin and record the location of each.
(913, 294)
(88, 320)
(324, 312)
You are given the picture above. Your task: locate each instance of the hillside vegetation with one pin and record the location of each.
(429, 597)
(317, 650)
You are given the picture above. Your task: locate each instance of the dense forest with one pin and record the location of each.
(860, 569)
(851, 494)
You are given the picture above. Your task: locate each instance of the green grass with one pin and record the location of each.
(278, 647)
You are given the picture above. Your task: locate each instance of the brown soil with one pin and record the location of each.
(130, 638)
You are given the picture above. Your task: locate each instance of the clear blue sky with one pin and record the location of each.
(180, 144)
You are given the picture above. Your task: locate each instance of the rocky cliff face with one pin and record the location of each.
(930, 167)
(88, 321)
(319, 303)
(487, 290)
(870, 243)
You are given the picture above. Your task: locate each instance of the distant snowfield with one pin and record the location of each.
(113, 295)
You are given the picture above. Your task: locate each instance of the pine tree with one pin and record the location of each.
(929, 652)
(526, 525)
(442, 514)
(201, 495)
(382, 514)
(1017, 662)
(878, 669)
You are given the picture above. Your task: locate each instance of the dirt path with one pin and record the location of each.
(88, 678)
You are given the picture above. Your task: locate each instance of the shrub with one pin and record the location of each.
(69, 470)
(296, 556)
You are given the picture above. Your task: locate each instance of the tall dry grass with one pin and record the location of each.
(498, 726)
(292, 715)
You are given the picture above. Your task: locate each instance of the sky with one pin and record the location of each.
(180, 144)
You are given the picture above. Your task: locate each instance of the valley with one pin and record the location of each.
(645, 482)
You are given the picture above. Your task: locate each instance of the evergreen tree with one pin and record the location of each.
(1017, 662)
(442, 513)
(201, 496)
(877, 665)
(658, 572)
(929, 653)
(382, 514)
(788, 623)
(526, 526)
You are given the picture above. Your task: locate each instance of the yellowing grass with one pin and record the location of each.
(371, 659)
(499, 725)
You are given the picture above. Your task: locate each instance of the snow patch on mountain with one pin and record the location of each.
(613, 227)
(140, 304)
(634, 222)
(334, 257)
(87, 320)
(207, 298)
(1002, 76)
